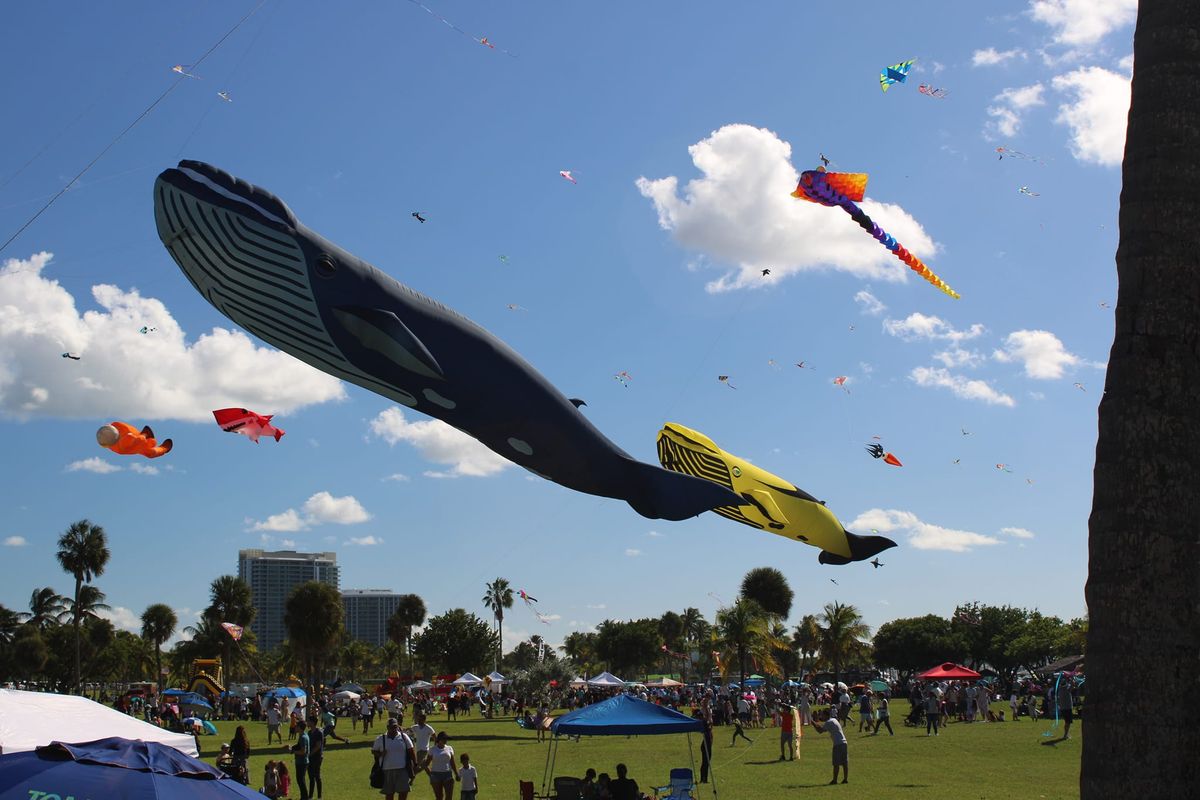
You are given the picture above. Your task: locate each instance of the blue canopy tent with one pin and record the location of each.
(114, 768)
(623, 715)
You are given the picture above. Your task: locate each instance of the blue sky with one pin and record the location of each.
(357, 116)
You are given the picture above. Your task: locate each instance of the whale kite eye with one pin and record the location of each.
(326, 266)
(737, 472)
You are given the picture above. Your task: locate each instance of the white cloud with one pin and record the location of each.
(990, 56)
(741, 212)
(398, 477)
(1011, 104)
(655, 534)
(871, 305)
(917, 326)
(959, 357)
(1017, 533)
(965, 388)
(632, 552)
(598, 606)
(321, 508)
(1081, 23)
(15, 541)
(551, 617)
(439, 443)
(143, 469)
(1098, 116)
(154, 376)
(122, 618)
(921, 535)
(94, 464)
(364, 541)
(1041, 352)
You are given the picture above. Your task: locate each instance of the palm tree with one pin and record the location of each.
(9, 623)
(90, 604)
(158, 625)
(744, 629)
(230, 601)
(82, 553)
(409, 613)
(695, 626)
(314, 617)
(499, 596)
(1142, 543)
(46, 606)
(806, 637)
(769, 588)
(580, 647)
(842, 635)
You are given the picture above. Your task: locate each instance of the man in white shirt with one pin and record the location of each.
(393, 751)
(421, 734)
(273, 719)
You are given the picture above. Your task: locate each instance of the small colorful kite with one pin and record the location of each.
(965, 432)
(876, 563)
(824, 159)
(225, 96)
(234, 631)
(503, 259)
(896, 73)
(876, 451)
(725, 380)
(1005, 151)
(623, 378)
(417, 216)
(835, 583)
(1004, 467)
(146, 329)
(840, 380)
(515, 307)
(71, 356)
(566, 173)
(182, 69)
(804, 365)
(930, 91)
(247, 423)
(843, 189)
(1025, 190)
(483, 40)
(1105, 305)
(529, 600)
(1079, 386)
(126, 440)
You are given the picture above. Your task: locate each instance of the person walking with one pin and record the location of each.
(883, 715)
(1065, 700)
(273, 720)
(933, 711)
(316, 755)
(440, 768)
(393, 751)
(786, 733)
(469, 778)
(865, 712)
(706, 743)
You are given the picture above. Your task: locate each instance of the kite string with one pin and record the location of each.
(127, 129)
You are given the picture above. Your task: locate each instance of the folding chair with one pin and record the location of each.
(568, 788)
(528, 792)
(680, 788)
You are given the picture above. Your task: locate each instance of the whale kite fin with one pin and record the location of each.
(660, 494)
(861, 548)
(766, 501)
(383, 332)
(575, 401)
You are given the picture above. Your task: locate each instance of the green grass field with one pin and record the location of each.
(994, 760)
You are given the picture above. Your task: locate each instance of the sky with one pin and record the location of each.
(685, 126)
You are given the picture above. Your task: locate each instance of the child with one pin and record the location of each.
(285, 779)
(270, 785)
(468, 777)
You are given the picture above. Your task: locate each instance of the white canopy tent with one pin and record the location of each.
(468, 679)
(606, 680)
(31, 719)
(498, 679)
(415, 685)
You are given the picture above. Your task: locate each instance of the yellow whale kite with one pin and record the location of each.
(772, 504)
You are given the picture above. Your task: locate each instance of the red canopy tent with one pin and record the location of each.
(949, 672)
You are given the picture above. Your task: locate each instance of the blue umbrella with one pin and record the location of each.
(285, 691)
(114, 767)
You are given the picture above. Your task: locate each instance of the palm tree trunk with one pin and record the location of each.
(500, 642)
(1143, 569)
(75, 626)
(158, 665)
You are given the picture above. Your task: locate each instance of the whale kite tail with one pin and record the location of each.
(660, 494)
(861, 548)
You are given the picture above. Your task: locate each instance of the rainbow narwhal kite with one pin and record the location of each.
(843, 189)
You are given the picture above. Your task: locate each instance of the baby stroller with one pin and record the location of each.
(916, 717)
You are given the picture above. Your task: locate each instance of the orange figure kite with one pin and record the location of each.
(126, 440)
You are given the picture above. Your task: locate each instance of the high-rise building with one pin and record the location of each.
(271, 577)
(367, 613)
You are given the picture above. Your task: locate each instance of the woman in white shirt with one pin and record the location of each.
(440, 767)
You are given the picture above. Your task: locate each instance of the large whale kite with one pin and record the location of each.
(247, 254)
(767, 502)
